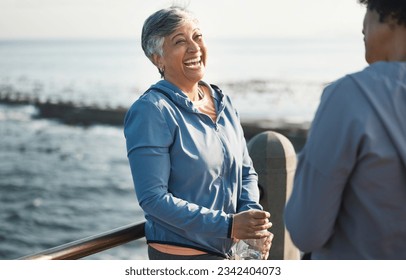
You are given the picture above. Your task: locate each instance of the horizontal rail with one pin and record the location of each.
(91, 245)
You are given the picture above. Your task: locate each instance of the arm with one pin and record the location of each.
(250, 220)
(324, 167)
(249, 197)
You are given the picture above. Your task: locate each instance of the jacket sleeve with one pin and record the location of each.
(324, 166)
(249, 196)
(148, 139)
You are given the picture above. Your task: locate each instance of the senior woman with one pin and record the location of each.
(192, 173)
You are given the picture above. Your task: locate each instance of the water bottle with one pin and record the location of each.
(248, 249)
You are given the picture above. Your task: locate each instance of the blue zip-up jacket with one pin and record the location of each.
(190, 174)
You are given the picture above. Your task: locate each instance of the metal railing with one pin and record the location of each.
(91, 245)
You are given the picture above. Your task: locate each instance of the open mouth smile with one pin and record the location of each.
(193, 63)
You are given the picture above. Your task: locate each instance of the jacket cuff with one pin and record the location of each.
(230, 227)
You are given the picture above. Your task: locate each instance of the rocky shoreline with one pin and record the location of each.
(86, 115)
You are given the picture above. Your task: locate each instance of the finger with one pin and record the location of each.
(258, 225)
(270, 237)
(258, 214)
(265, 250)
(259, 222)
(264, 226)
(260, 234)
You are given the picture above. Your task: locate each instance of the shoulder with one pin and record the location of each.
(350, 88)
(363, 85)
(343, 83)
(154, 98)
(150, 105)
(373, 74)
(342, 103)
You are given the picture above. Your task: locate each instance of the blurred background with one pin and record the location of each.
(60, 181)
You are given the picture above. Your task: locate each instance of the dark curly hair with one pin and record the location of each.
(395, 9)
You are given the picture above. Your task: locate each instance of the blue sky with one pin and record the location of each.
(219, 18)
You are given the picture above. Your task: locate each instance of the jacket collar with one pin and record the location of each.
(178, 97)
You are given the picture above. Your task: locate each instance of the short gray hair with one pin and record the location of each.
(161, 24)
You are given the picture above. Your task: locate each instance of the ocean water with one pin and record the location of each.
(60, 183)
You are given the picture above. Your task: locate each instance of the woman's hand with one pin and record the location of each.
(251, 224)
(267, 246)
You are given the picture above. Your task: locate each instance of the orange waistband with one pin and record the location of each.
(176, 250)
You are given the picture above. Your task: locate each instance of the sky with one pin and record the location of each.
(91, 19)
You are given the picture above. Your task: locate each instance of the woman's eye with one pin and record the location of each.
(180, 42)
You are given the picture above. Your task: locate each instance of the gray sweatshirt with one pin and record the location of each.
(349, 196)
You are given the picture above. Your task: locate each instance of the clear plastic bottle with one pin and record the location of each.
(248, 249)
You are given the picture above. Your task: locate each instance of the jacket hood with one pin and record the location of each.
(177, 96)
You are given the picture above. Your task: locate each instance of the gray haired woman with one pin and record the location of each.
(192, 173)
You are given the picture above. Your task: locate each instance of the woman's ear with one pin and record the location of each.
(157, 61)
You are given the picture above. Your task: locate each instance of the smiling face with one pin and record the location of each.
(184, 56)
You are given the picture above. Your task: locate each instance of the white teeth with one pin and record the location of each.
(193, 61)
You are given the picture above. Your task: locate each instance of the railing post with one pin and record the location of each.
(274, 159)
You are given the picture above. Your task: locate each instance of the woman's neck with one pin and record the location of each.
(191, 90)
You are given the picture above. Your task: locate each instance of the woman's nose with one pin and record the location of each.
(194, 47)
